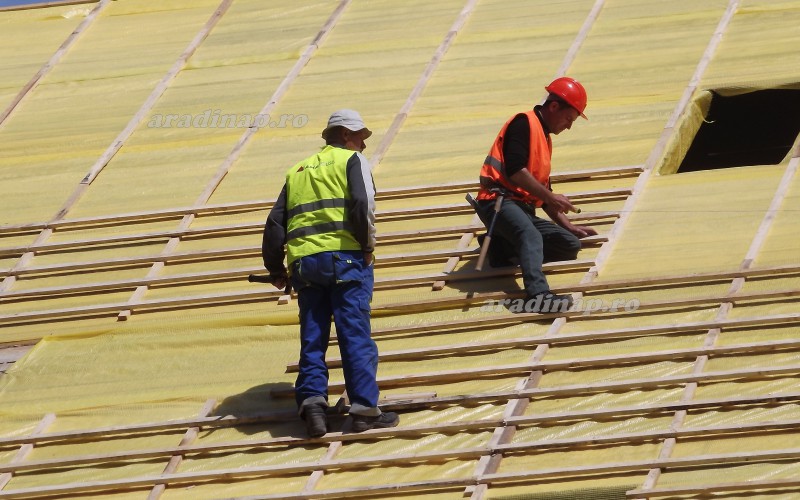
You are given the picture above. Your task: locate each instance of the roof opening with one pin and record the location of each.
(756, 128)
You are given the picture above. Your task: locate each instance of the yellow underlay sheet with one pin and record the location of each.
(682, 344)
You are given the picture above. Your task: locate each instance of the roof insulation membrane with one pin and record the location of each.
(135, 190)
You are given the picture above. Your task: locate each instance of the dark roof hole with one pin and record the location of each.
(756, 128)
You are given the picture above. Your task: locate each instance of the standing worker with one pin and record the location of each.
(325, 216)
(518, 168)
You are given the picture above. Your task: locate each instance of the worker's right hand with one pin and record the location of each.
(369, 258)
(560, 203)
(279, 281)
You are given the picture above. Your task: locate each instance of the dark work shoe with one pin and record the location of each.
(546, 302)
(386, 419)
(316, 420)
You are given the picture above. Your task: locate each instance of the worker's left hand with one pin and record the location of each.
(582, 231)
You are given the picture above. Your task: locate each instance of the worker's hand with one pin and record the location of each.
(369, 258)
(279, 281)
(582, 231)
(560, 203)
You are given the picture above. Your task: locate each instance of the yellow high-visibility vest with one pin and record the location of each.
(316, 202)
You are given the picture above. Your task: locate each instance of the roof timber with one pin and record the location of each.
(405, 459)
(213, 422)
(450, 376)
(115, 146)
(71, 40)
(233, 156)
(503, 435)
(724, 309)
(261, 205)
(738, 429)
(503, 428)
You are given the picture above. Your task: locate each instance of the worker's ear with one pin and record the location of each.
(553, 106)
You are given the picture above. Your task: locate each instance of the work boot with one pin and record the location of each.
(386, 419)
(316, 420)
(547, 302)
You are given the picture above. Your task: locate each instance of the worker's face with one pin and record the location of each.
(354, 141)
(562, 117)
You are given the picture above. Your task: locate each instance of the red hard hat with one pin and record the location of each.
(571, 91)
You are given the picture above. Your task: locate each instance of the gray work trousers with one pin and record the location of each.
(533, 240)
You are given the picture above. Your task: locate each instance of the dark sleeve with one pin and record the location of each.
(517, 145)
(361, 206)
(275, 236)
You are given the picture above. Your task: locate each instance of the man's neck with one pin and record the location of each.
(538, 110)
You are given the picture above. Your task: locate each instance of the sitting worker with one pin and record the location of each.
(518, 168)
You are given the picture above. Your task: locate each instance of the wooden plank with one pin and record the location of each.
(433, 64)
(592, 335)
(258, 227)
(761, 486)
(450, 376)
(235, 274)
(248, 251)
(658, 150)
(112, 150)
(737, 284)
(336, 440)
(245, 472)
(149, 103)
(772, 211)
(588, 23)
(636, 466)
(390, 404)
(474, 299)
(233, 156)
(435, 457)
(175, 460)
(263, 205)
(26, 449)
(70, 41)
(566, 364)
(213, 299)
(43, 5)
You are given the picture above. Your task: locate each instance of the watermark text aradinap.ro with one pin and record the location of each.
(217, 119)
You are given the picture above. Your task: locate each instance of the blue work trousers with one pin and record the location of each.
(337, 284)
(534, 240)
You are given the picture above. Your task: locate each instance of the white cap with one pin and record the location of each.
(348, 119)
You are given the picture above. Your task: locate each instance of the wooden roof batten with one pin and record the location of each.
(116, 145)
(486, 472)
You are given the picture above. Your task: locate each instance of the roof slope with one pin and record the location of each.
(142, 144)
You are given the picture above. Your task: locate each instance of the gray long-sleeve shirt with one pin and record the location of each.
(360, 212)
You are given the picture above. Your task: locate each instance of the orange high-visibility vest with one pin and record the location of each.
(493, 171)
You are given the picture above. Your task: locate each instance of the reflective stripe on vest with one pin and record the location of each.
(493, 172)
(316, 205)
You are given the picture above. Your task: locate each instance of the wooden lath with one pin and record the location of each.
(258, 227)
(233, 156)
(706, 432)
(603, 361)
(736, 286)
(71, 40)
(433, 457)
(504, 435)
(218, 299)
(109, 153)
(433, 64)
(459, 375)
(264, 205)
(615, 412)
